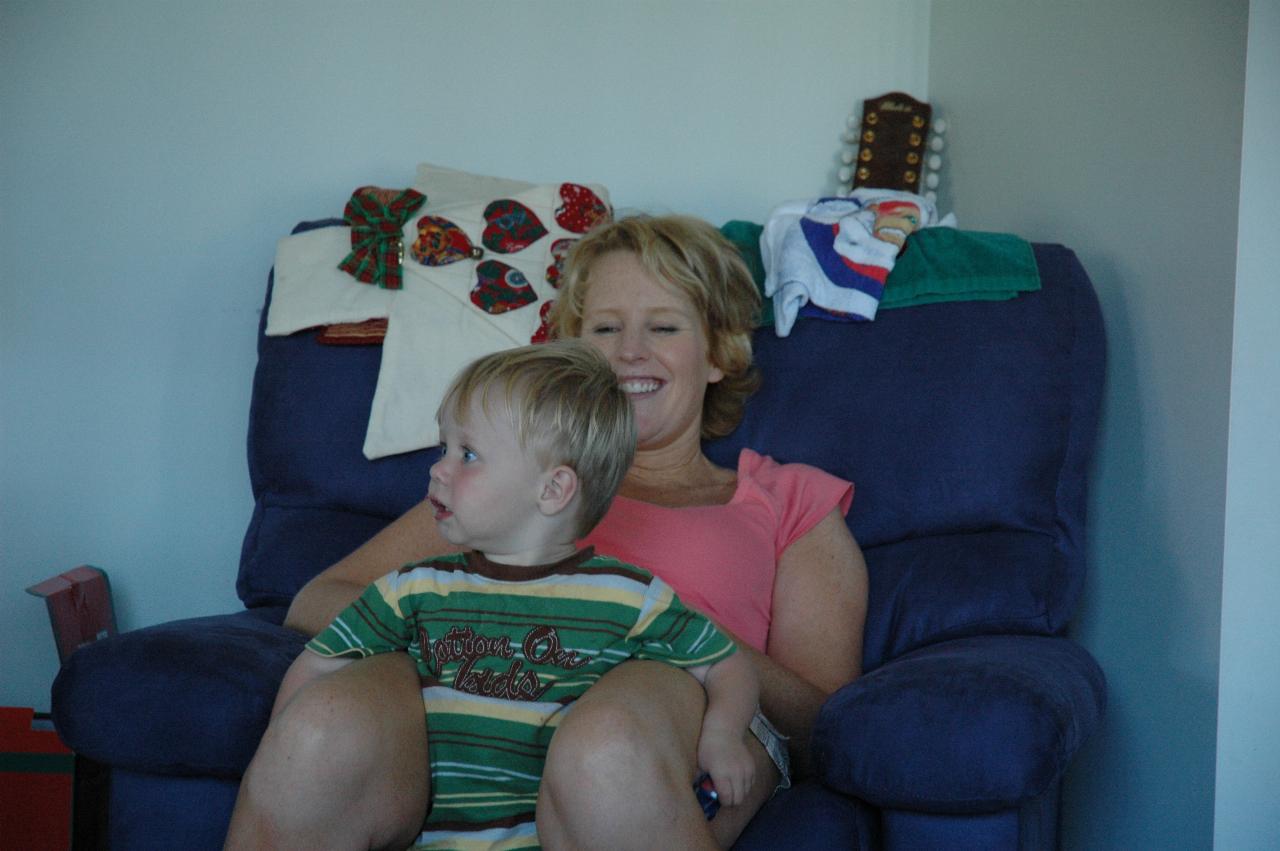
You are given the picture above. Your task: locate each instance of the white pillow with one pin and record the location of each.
(442, 318)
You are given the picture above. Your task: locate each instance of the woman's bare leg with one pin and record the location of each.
(343, 765)
(620, 769)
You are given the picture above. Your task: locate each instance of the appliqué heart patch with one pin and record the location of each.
(544, 326)
(500, 288)
(581, 209)
(511, 227)
(440, 242)
(559, 251)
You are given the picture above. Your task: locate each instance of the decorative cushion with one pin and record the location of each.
(480, 262)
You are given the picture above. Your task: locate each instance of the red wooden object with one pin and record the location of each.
(36, 773)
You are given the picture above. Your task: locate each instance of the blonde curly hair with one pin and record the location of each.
(695, 258)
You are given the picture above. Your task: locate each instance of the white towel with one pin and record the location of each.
(822, 258)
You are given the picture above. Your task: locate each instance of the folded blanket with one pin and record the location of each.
(828, 258)
(946, 264)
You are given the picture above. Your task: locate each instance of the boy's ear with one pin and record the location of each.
(559, 487)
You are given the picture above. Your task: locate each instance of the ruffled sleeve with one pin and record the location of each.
(799, 494)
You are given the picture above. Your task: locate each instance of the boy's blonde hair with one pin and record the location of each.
(565, 406)
(695, 258)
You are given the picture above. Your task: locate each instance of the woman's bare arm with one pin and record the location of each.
(411, 537)
(815, 641)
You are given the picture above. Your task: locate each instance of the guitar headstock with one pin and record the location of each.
(897, 145)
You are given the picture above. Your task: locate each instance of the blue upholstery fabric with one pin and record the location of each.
(954, 421)
(811, 817)
(936, 587)
(152, 812)
(1018, 709)
(317, 496)
(967, 429)
(188, 697)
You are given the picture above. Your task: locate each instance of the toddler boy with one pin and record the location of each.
(507, 635)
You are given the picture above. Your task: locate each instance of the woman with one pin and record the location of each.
(762, 549)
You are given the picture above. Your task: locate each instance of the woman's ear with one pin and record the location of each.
(559, 487)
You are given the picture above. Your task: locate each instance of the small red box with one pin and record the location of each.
(80, 607)
(36, 773)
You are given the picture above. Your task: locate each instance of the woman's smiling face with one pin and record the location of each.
(654, 337)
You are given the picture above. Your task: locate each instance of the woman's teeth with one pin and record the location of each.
(639, 385)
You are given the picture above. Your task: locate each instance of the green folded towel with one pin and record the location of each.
(938, 264)
(947, 264)
(746, 238)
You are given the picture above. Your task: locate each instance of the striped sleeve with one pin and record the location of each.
(372, 624)
(668, 631)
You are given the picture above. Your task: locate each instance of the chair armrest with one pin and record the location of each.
(966, 726)
(189, 697)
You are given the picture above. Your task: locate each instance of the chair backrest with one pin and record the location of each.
(967, 428)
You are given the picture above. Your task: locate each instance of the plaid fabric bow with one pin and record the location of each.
(377, 217)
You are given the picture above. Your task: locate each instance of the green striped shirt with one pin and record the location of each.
(502, 652)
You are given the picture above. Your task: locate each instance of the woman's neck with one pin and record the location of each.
(676, 476)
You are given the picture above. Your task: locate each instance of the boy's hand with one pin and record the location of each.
(725, 756)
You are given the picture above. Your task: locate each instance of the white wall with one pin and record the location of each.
(1115, 128)
(1248, 761)
(153, 151)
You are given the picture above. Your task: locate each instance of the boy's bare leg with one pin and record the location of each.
(342, 765)
(620, 769)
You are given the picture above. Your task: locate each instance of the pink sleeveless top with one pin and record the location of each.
(721, 559)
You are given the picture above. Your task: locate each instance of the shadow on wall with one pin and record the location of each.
(1157, 738)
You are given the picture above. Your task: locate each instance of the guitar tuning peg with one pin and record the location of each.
(935, 162)
(939, 125)
(850, 138)
(931, 180)
(851, 121)
(846, 174)
(936, 143)
(846, 157)
(931, 197)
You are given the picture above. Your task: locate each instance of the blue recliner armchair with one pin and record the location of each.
(967, 428)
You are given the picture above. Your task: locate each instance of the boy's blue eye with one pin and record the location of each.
(604, 329)
(467, 455)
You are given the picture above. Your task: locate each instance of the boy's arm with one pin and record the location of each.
(309, 666)
(733, 694)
